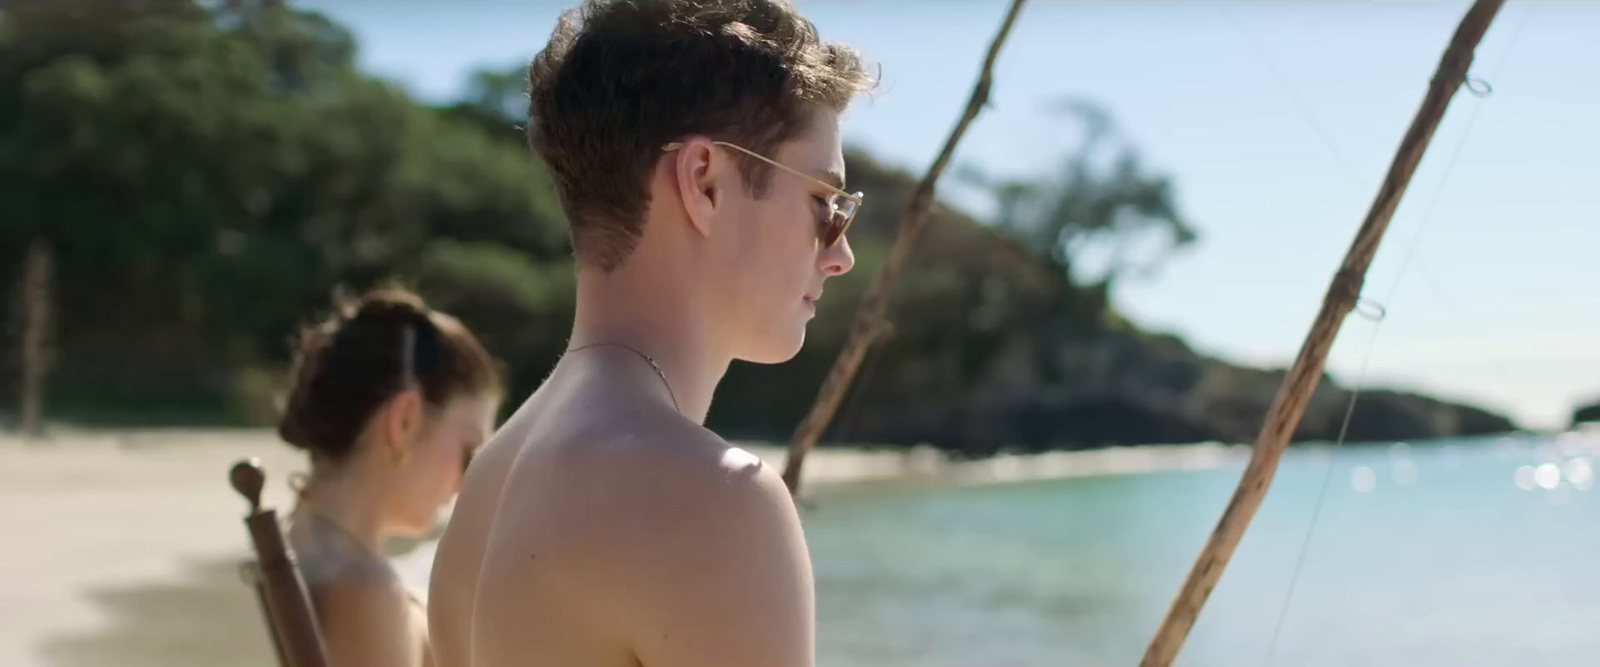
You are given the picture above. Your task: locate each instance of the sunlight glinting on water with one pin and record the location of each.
(1580, 473)
(1363, 479)
(1564, 466)
(1524, 478)
(1547, 476)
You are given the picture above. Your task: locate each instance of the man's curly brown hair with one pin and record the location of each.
(620, 78)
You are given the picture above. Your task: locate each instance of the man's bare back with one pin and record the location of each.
(601, 528)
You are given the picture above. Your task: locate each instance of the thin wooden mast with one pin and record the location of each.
(1302, 378)
(869, 323)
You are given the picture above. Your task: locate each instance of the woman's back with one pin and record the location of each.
(391, 400)
(359, 598)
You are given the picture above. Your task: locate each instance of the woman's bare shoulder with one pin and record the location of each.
(368, 618)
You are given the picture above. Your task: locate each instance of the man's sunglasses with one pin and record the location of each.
(841, 205)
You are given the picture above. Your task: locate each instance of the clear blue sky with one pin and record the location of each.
(1276, 121)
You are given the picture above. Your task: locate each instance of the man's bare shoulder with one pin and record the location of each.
(665, 464)
(695, 544)
(614, 474)
(684, 490)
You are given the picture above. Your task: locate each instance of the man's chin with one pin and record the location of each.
(776, 351)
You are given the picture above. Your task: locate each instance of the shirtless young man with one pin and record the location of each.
(696, 148)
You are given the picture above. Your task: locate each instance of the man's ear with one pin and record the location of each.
(699, 168)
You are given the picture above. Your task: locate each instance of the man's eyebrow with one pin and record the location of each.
(831, 177)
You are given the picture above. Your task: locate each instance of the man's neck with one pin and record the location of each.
(653, 314)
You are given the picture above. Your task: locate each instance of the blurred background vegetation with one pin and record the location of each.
(203, 177)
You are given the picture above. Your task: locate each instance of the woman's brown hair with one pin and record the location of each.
(368, 350)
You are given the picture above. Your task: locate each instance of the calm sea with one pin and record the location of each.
(1448, 553)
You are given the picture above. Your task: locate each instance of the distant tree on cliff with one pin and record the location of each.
(1101, 215)
(1586, 413)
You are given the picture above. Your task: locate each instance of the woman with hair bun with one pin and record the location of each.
(390, 399)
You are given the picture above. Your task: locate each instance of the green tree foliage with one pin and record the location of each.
(209, 176)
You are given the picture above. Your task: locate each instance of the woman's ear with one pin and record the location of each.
(402, 422)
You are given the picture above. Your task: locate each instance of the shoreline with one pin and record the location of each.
(829, 465)
(132, 537)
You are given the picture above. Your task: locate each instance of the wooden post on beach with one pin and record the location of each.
(1302, 378)
(34, 303)
(285, 603)
(869, 323)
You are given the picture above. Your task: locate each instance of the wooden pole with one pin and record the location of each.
(35, 353)
(1301, 381)
(291, 620)
(869, 322)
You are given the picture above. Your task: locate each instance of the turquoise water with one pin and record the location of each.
(1424, 555)
(1442, 560)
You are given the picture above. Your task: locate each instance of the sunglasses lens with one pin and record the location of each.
(844, 211)
(829, 234)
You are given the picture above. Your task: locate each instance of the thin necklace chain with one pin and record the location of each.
(344, 534)
(653, 366)
(300, 484)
